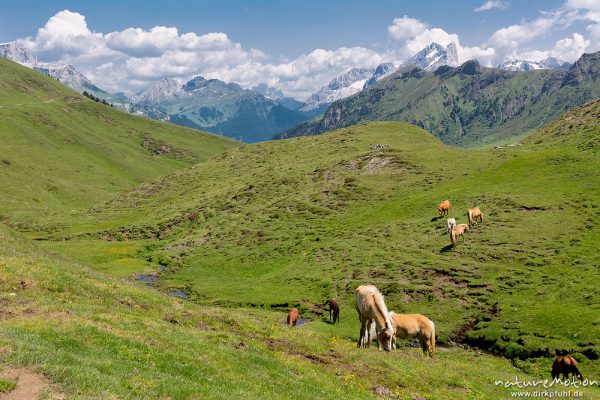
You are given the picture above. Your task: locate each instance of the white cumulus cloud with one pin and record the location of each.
(488, 5)
(132, 58)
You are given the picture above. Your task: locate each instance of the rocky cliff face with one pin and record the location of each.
(340, 87)
(381, 71)
(434, 56)
(14, 51)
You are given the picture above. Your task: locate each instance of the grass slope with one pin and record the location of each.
(97, 337)
(61, 150)
(301, 221)
(255, 229)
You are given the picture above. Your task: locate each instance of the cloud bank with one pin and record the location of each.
(131, 59)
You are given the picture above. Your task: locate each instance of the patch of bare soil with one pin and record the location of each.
(30, 386)
(382, 391)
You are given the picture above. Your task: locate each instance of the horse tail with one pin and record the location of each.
(453, 238)
(432, 340)
(469, 217)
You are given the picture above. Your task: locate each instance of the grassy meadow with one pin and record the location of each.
(248, 231)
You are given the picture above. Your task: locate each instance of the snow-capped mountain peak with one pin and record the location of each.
(381, 71)
(162, 90)
(268, 91)
(14, 51)
(434, 55)
(524, 65)
(339, 87)
(66, 74)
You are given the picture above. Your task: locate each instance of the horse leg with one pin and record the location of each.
(363, 333)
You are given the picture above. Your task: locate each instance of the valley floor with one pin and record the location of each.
(257, 229)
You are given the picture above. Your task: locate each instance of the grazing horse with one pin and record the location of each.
(292, 317)
(372, 309)
(334, 311)
(444, 207)
(458, 232)
(414, 325)
(450, 224)
(474, 215)
(565, 364)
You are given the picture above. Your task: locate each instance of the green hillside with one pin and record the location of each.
(96, 337)
(60, 150)
(301, 221)
(252, 230)
(467, 106)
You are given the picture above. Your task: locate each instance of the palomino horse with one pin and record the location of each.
(474, 215)
(292, 317)
(372, 309)
(334, 311)
(414, 325)
(565, 364)
(444, 207)
(458, 232)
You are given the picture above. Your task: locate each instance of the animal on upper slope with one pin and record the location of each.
(450, 224)
(458, 232)
(444, 208)
(474, 215)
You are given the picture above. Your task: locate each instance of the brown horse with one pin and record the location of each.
(372, 309)
(414, 325)
(474, 215)
(292, 317)
(444, 208)
(458, 232)
(565, 364)
(334, 311)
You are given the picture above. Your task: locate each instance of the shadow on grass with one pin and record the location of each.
(436, 218)
(446, 248)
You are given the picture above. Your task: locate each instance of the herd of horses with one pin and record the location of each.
(474, 216)
(377, 323)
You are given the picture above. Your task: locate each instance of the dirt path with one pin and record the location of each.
(52, 100)
(29, 387)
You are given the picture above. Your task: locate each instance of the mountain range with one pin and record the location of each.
(262, 112)
(216, 106)
(429, 58)
(465, 105)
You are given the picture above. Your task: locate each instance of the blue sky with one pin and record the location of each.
(315, 40)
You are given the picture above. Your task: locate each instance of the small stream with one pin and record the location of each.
(152, 280)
